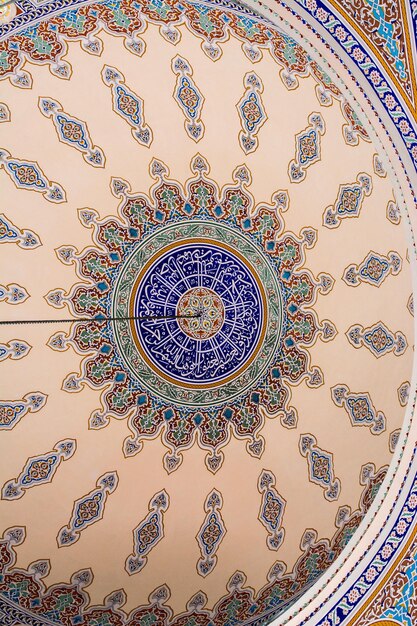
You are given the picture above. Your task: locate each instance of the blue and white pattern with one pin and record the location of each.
(251, 112)
(211, 533)
(360, 409)
(272, 510)
(15, 349)
(189, 98)
(12, 411)
(9, 233)
(13, 294)
(128, 105)
(348, 202)
(148, 533)
(39, 470)
(88, 510)
(72, 131)
(320, 467)
(378, 339)
(373, 270)
(188, 352)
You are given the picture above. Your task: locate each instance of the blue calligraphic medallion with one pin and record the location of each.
(229, 289)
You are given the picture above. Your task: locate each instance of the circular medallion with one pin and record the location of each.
(200, 313)
(212, 330)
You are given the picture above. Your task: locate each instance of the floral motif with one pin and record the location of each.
(379, 168)
(28, 175)
(128, 105)
(211, 533)
(189, 98)
(378, 339)
(373, 269)
(12, 411)
(394, 439)
(410, 305)
(13, 294)
(251, 112)
(5, 115)
(272, 510)
(125, 391)
(88, 510)
(24, 595)
(320, 467)
(148, 533)
(9, 233)
(38, 470)
(15, 349)
(403, 393)
(72, 131)
(348, 202)
(307, 148)
(393, 212)
(360, 409)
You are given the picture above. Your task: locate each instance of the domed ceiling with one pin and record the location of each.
(201, 196)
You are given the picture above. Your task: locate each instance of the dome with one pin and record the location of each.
(213, 229)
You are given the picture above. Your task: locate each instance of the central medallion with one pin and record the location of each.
(200, 313)
(220, 279)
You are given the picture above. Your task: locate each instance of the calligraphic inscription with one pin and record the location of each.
(229, 290)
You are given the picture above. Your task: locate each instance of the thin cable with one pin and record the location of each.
(100, 319)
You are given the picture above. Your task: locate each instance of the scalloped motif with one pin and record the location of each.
(349, 201)
(13, 294)
(14, 350)
(211, 533)
(9, 233)
(378, 339)
(251, 112)
(72, 132)
(88, 510)
(39, 470)
(373, 270)
(148, 533)
(272, 510)
(360, 409)
(320, 467)
(12, 411)
(307, 148)
(188, 97)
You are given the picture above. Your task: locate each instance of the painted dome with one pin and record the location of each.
(214, 209)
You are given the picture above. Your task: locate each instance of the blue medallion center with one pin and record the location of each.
(223, 297)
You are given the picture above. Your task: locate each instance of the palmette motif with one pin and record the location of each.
(12, 411)
(348, 202)
(272, 510)
(128, 105)
(72, 131)
(307, 148)
(88, 510)
(154, 406)
(9, 233)
(13, 293)
(189, 98)
(25, 595)
(211, 533)
(38, 470)
(320, 467)
(28, 175)
(15, 349)
(5, 115)
(251, 112)
(148, 533)
(373, 270)
(360, 409)
(378, 339)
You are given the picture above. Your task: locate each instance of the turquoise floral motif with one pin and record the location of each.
(13, 294)
(148, 533)
(12, 411)
(39, 470)
(403, 393)
(211, 533)
(272, 510)
(5, 115)
(393, 213)
(72, 131)
(128, 105)
(28, 175)
(189, 98)
(251, 112)
(15, 349)
(360, 409)
(320, 467)
(373, 270)
(9, 233)
(88, 510)
(307, 148)
(348, 202)
(378, 339)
